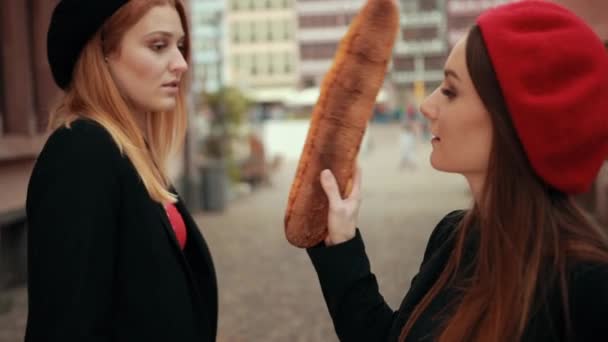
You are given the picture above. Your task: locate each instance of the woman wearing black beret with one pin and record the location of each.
(113, 253)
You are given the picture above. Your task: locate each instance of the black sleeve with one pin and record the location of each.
(358, 310)
(72, 204)
(589, 303)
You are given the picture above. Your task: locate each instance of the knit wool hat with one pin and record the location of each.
(553, 73)
(73, 24)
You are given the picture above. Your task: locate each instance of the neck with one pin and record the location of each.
(476, 182)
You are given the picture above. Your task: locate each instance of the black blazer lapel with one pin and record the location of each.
(167, 225)
(164, 218)
(201, 266)
(194, 235)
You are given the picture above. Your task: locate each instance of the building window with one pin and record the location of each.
(235, 32)
(409, 6)
(271, 64)
(404, 63)
(461, 22)
(288, 63)
(259, 33)
(269, 30)
(245, 65)
(236, 62)
(428, 5)
(434, 62)
(318, 50)
(287, 29)
(329, 20)
(240, 5)
(260, 64)
(308, 81)
(277, 28)
(255, 65)
(420, 33)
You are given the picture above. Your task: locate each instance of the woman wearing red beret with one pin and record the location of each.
(522, 113)
(113, 254)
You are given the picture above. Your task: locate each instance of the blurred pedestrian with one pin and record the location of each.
(523, 263)
(407, 145)
(113, 254)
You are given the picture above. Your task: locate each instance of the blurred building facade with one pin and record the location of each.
(421, 49)
(261, 47)
(208, 31)
(27, 92)
(321, 26)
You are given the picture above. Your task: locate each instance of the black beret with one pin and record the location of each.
(73, 24)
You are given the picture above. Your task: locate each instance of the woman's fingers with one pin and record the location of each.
(330, 186)
(342, 215)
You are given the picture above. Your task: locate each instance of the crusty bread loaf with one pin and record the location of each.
(339, 119)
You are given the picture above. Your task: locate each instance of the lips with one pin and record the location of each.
(173, 84)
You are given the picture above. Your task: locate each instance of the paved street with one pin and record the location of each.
(268, 289)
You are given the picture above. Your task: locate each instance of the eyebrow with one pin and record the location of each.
(166, 34)
(449, 72)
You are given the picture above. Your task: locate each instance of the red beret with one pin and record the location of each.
(553, 72)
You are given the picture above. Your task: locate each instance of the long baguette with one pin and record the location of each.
(340, 116)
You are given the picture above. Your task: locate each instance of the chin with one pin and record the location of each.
(164, 106)
(440, 165)
(436, 164)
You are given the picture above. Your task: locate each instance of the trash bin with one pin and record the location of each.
(214, 185)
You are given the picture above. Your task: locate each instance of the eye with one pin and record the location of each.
(448, 93)
(181, 47)
(158, 46)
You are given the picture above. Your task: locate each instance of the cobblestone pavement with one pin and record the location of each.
(268, 289)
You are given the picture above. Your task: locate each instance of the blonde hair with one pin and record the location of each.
(92, 94)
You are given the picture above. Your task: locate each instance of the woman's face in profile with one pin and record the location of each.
(149, 64)
(459, 120)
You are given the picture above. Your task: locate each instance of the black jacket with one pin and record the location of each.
(103, 261)
(359, 312)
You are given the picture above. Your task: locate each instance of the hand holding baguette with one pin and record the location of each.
(343, 213)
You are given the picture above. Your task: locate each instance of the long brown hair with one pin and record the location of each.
(528, 235)
(93, 94)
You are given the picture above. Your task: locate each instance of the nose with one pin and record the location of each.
(428, 106)
(178, 63)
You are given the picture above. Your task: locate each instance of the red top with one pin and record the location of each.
(177, 222)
